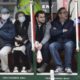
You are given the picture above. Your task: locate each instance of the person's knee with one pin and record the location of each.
(5, 51)
(69, 44)
(1, 54)
(52, 46)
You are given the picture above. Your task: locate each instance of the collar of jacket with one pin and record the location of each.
(43, 25)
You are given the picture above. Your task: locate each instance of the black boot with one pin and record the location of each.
(42, 68)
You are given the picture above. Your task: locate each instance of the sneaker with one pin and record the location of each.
(7, 71)
(42, 68)
(15, 70)
(29, 70)
(59, 70)
(68, 70)
(23, 70)
(1, 70)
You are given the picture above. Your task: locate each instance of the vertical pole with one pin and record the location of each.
(77, 30)
(78, 7)
(69, 7)
(32, 34)
(17, 3)
(50, 5)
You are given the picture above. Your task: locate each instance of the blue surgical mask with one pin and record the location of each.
(22, 19)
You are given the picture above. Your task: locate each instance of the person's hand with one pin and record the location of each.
(54, 28)
(65, 30)
(40, 46)
(16, 38)
(16, 44)
(25, 41)
(36, 44)
(19, 38)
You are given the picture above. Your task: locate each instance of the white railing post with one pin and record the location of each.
(52, 75)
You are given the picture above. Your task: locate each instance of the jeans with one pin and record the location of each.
(68, 50)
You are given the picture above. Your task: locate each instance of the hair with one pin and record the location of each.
(16, 16)
(39, 12)
(58, 12)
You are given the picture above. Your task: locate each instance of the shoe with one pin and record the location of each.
(1, 71)
(15, 70)
(42, 68)
(68, 70)
(59, 70)
(7, 71)
(23, 70)
(29, 70)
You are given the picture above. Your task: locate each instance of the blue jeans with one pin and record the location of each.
(68, 50)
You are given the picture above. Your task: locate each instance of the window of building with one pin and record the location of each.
(45, 5)
(48, 0)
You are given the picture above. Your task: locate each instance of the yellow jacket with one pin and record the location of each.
(24, 6)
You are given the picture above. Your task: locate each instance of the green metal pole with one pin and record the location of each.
(34, 64)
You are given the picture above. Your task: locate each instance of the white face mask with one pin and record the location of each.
(22, 19)
(5, 16)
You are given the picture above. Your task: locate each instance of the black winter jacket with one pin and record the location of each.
(57, 33)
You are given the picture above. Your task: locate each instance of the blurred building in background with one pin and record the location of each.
(55, 5)
(10, 4)
(45, 5)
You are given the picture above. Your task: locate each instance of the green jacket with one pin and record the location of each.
(24, 6)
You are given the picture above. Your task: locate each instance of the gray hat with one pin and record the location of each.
(4, 11)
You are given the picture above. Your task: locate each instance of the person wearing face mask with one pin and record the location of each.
(7, 34)
(22, 49)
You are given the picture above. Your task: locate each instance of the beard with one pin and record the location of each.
(42, 23)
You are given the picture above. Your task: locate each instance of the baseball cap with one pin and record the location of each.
(4, 11)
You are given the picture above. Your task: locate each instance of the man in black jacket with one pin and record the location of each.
(62, 34)
(42, 38)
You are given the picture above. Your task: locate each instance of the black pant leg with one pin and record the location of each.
(16, 57)
(46, 53)
(29, 54)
